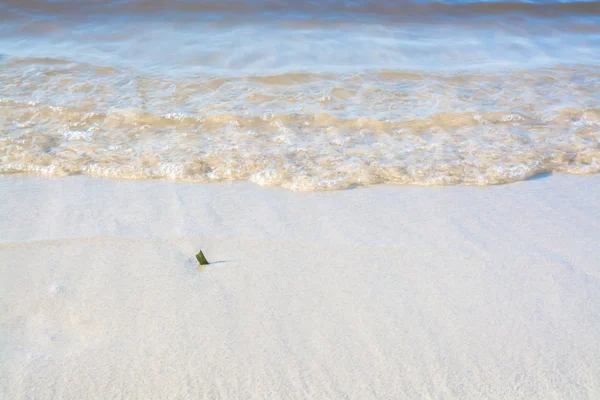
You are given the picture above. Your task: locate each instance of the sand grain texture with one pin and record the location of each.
(381, 292)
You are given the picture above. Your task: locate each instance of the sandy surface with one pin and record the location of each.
(382, 292)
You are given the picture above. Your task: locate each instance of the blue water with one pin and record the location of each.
(309, 95)
(258, 37)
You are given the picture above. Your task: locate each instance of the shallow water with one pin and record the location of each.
(309, 96)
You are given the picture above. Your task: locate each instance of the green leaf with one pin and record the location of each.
(201, 259)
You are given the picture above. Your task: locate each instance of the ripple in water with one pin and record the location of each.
(473, 101)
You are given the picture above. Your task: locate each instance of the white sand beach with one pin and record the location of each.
(385, 292)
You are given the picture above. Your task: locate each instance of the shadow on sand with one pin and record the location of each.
(539, 176)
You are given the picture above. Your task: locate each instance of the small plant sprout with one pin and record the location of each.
(201, 259)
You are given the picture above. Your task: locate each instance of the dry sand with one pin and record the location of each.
(382, 292)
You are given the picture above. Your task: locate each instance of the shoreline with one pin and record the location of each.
(378, 292)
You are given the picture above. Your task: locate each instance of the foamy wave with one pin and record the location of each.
(304, 132)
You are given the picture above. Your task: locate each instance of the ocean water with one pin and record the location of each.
(306, 95)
